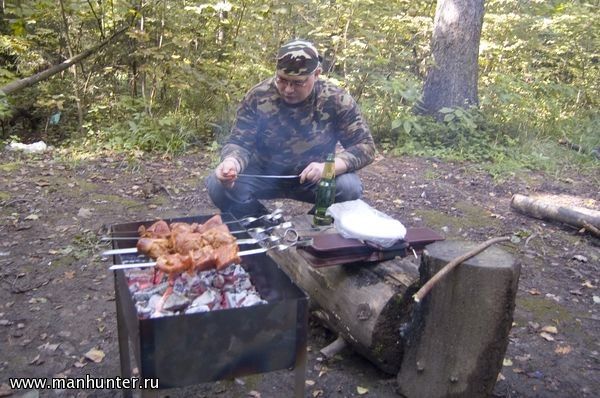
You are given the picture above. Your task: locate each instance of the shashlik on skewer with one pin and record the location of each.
(181, 247)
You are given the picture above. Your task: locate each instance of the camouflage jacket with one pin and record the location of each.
(283, 138)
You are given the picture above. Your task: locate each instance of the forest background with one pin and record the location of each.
(173, 74)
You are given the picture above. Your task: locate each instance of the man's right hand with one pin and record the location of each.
(227, 172)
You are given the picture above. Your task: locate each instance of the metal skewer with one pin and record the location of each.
(274, 216)
(241, 254)
(256, 230)
(133, 250)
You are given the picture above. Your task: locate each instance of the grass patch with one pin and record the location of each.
(469, 216)
(11, 166)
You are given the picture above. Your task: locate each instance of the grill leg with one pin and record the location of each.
(301, 348)
(300, 374)
(123, 344)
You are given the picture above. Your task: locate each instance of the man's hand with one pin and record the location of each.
(227, 171)
(312, 173)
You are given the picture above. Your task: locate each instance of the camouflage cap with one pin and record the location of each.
(298, 57)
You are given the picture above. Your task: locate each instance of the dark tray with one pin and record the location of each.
(333, 249)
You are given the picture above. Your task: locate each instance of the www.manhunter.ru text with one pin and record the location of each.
(82, 383)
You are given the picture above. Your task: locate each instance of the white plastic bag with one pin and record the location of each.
(39, 146)
(356, 219)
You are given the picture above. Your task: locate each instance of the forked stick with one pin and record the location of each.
(418, 296)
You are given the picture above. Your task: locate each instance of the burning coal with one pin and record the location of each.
(156, 295)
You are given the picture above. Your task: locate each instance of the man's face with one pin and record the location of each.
(295, 89)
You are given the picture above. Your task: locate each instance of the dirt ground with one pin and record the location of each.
(57, 305)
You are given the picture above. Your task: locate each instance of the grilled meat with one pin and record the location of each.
(187, 247)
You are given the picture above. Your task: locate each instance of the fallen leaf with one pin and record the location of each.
(563, 350)
(95, 355)
(84, 213)
(550, 329)
(70, 274)
(580, 258)
(36, 361)
(534, 292)
(48, 347)
(32, 217)
(523, 358)
(507, 362)
(361, 390)
(310, 383)
(80, 363)
(518, 370)
(547, 336)
(317, 393)
(254, 394)
(596, 300)
(5, 390)
(500, 377)
(588, 284)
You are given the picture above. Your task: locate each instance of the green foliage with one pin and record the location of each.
(175, 80)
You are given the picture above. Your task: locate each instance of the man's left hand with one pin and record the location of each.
(312, 173)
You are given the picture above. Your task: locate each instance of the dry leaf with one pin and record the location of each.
(317, 393)
(84, 213)
(547, 336)
(523, 358)
(80, 363)
(310, 383)
(588, 284)
(32, 217)
(36, 361)
(49, 347)
(507, 362)
(361, 390)
(95, 355)
(563, 350)
(550, 329)
(500, 377)
(254, 394)
(5, 390)
(517, 370)
(70, 274)
(534, 292)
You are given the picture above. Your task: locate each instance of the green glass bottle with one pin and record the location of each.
(325, 192)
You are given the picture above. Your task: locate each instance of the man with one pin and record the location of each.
(286, 126)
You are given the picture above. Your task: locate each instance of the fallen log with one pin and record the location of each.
(547, 209)
(364, 303)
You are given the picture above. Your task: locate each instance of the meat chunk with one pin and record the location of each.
(154, 248)
(181, 247)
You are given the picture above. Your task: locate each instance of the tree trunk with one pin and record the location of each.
(31, 80)
(76, 85)
(459, 333)
(452, 80)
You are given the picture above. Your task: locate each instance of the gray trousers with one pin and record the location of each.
(242, 199)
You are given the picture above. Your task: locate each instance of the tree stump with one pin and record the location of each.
(365, 303)
(459, 333)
